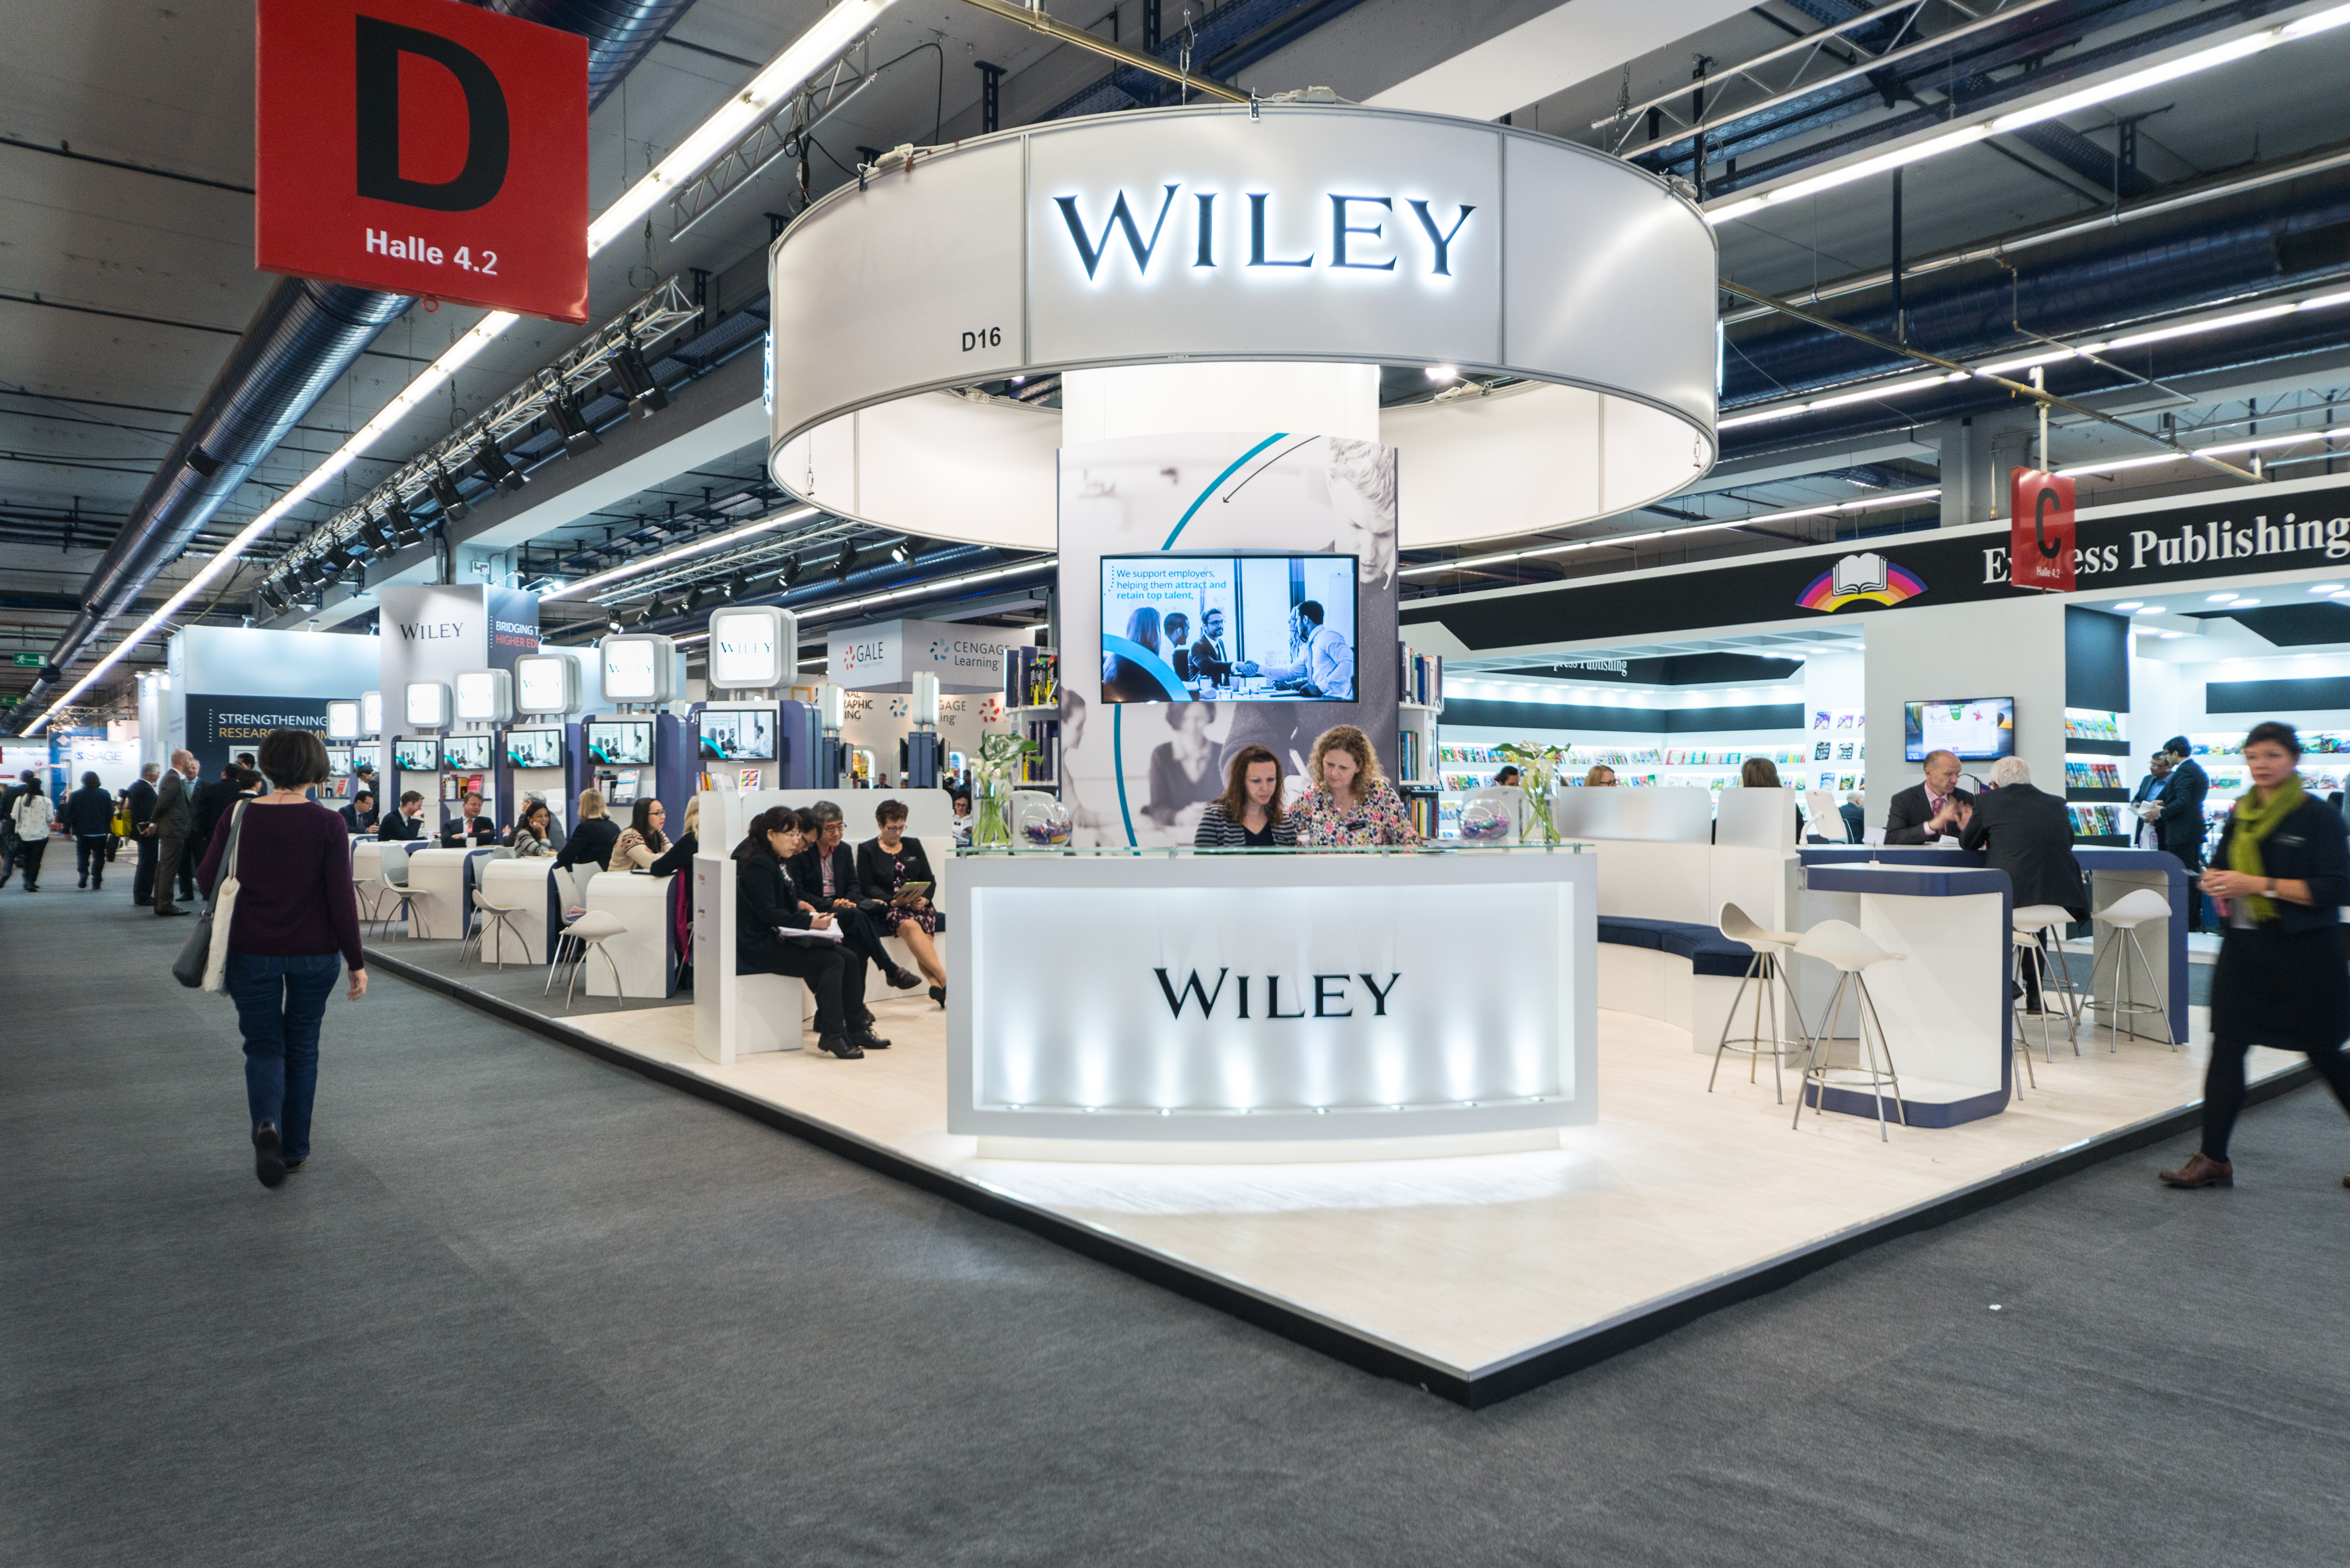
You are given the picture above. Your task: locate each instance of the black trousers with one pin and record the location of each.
(858, 936)
(2223, 1086)
(89, 858)
(29, 855)
(142, 879)
(836, 977)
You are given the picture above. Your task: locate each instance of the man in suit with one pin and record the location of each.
(8, 844)
(141, 800)
(363, 782)
(471, 830)
(2028, 835)
(1210, 660)
(407, 822)
(174, 825)
(2179, 828)
(1930, 812)
(1171, 634)
(360, 815)
(210, 801)
(826, 874)
(2145, 801)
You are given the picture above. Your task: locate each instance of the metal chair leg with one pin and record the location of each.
(2154, 988)
(1900, 1106)
(1814, 1056)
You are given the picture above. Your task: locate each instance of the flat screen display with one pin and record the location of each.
(416, 757)
(623, 742)
(339, 760)
(738, 734)
(535, 748)
(1231, 629)
(466, 753)
(1974, 729)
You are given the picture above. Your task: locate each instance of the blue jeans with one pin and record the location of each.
(280, 1003)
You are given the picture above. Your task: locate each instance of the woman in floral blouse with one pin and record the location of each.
(1350, 802)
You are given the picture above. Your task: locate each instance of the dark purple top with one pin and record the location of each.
(294, 894)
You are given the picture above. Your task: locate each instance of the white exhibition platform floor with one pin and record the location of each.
(1464, 1264)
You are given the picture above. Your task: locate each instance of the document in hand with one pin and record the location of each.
(830, 933)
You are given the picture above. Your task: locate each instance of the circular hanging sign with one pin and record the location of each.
(1292, 233)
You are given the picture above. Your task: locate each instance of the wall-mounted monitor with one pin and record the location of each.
(621, 743)
(371, 712)
(546, 685)
(425, 705)
(639, 667)
(343, 720)
(1975, 729)
(485, 697)
(1228, 629)
(338, 762)
(465, 753)
(412, 756)
(535, 748)
(738, 734)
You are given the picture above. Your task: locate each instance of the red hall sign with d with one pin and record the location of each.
(423, 147)
(2041, 532)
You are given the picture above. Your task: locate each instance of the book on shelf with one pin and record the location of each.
(2100, 821)
(2093, 776)
(2083, 725)
(1419, 677)
(1043, 765)
(1032, 678)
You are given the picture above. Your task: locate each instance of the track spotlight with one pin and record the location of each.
(612, 619)
(373, 534)
(790, 571)
(495, 467)
(444, 490)
(693, 599)
(651, 612)
(405, 531)
(645, 395)
(846, 561)
(337, 555)
(272, 597)
(563, 408)
(736, 586)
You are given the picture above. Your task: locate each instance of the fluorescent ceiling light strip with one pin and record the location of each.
(911, 590)
(683, 552)
(2046, 109)
(783, 76)
(2119, 466)
(1864, 503)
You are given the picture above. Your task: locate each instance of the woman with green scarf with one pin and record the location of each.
(2278, 881)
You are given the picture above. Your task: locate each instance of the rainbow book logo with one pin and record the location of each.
(1867, 575)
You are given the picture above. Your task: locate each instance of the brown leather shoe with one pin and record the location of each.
(2201, 1170)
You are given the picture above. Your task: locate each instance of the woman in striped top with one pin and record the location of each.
(1248, 815)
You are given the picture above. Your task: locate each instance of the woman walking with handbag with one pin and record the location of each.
(292, 922)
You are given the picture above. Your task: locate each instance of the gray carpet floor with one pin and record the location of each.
(525, 1308)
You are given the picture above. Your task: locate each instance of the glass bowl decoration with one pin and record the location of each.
(1045, 824)
(1487, 821)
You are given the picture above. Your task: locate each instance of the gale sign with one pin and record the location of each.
(423, 147)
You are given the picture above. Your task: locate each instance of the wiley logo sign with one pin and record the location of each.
(423, 147)
(1329, 994)
(432, 630)
(1333, 230)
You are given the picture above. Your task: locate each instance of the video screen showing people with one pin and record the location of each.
(623, 742)
(416, 757)
(462, 753)
(1242, 628)
(535, 748)
(738, 734)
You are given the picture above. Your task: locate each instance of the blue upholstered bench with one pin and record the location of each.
(1707, 949)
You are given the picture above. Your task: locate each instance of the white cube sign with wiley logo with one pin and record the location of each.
(1277, 997)
(343, 720)
(754, 647)
(546, 685)
(425, 705)
(638, 668)
(486, 696)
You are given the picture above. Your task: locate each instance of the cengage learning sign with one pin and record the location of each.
(423, 147)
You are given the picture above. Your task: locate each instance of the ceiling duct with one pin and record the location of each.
(301, 341)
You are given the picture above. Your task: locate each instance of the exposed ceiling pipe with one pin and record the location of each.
(302, 340)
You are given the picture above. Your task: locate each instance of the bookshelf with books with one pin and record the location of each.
(2096, 788)
(1420, 688)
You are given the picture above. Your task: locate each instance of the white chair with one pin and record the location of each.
(1768, 964)
(2127, 915)
(592, 929)
(485, 915)
(2036, 938)
(392, 890)
(1842, 946)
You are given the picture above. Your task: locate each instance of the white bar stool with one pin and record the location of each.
(1768, 964)
(2127, 915)
(485, 914)
(2033, 925)
(1843, 946)
(592, 929)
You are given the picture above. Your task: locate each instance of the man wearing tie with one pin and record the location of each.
(1930, 812)
(2145, 801)
(1209, 661)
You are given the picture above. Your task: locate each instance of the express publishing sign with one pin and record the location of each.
(423, 147)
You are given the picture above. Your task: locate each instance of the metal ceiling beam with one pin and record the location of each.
(1037, 21)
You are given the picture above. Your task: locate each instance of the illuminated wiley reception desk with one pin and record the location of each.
(1156, 1005)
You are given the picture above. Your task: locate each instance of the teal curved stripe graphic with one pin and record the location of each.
(1157, 669)
(1117, 713)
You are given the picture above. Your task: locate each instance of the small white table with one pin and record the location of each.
(642, 953)
(436, 907)
(521, 884)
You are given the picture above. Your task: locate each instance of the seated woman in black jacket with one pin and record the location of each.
(590, 843)
(826, 874)
(767, 905)
(884, 866)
